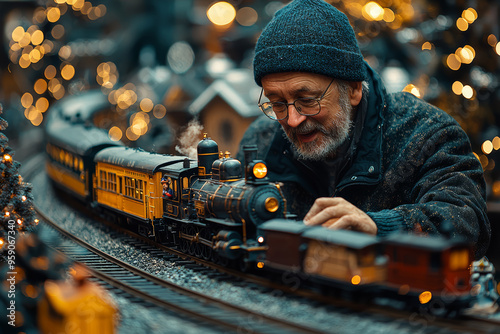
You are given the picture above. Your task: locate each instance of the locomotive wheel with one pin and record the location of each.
(206, 251)
(243, 266)
(198, 249)
(183, 243)
(214, 257)
(223, 261)
(191, 231)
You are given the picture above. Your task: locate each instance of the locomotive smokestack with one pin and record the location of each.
(250, 152)
(208, 152)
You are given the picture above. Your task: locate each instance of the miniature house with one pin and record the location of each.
(227, 107)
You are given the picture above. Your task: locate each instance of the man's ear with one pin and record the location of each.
(355, 92)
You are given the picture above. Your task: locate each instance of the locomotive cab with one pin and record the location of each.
(176, 181)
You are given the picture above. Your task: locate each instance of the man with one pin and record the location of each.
(349, 154)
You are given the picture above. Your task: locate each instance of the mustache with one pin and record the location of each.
(307, 127)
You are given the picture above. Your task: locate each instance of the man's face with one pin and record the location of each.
(313, 137)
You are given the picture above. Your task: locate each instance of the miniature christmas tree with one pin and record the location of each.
(25, 262)
(16, 201)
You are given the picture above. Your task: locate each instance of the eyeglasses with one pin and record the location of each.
(307, 106)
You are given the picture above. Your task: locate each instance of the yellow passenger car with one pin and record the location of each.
(129, 182)
(71, 150)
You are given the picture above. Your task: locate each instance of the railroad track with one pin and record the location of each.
(167, 294)
(224, 316)
(246, 321)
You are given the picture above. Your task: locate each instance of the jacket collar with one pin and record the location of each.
(367, 165)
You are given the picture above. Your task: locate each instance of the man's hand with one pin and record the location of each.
(337, 213)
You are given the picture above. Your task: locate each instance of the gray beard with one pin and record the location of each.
(332, 139)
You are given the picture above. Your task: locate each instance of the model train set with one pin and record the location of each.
(221, 210)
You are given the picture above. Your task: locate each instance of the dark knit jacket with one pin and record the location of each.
(412, 170)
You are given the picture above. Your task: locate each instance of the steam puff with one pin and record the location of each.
(188, 141)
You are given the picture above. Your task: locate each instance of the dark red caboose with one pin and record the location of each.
(429, 268)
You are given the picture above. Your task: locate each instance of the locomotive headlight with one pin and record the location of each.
(260, 239)
(271, 204)
(259, 170)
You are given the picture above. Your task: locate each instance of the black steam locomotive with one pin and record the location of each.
(206, 208)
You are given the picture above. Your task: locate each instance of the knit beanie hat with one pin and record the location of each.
(309, 36)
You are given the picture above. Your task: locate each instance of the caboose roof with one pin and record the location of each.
(350, 239)
(430, 243)
(283, 225)
(138, 159)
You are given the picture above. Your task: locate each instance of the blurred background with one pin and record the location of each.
(146, 70)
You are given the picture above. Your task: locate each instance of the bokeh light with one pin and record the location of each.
(453, 62)
(115, 133)
(53, 14)
(26, 100)
(411, 88)
(372, 11)
(37, 37)
(221, 13)
(487, 147)
(159, 111)
(50, 72)
(17, 34)
(496, 143)
(457, 87)
(146, 105)
(470, 15)
(58, 31)
(247, 16)
(42, 104)
(468, 92)
(40, 86)
(180, 57)
(462, 24)
(67, 72)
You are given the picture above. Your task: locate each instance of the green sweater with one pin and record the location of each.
(412, 169)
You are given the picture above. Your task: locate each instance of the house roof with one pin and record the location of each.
(237, 89)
